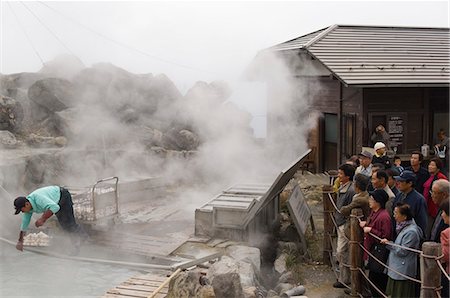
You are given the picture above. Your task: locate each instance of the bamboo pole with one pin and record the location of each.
(429, 270)
(355, 252)
(165, 283)
(327, 224)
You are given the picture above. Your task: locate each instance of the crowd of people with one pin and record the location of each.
(402, 207)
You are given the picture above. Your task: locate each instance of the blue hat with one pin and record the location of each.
(406, 176)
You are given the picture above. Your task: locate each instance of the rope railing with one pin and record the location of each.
(371, 283)
(389, 268)
(442, 267)
(393, 244)
(332, 202)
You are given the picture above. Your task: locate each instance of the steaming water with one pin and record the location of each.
(31, 275)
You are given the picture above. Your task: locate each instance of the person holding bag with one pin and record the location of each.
(379, 224)
(404, 261)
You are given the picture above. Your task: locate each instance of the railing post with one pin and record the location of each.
(355, 251)
(327, 224)
(429, 270)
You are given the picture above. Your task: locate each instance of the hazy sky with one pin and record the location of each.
(186, 40)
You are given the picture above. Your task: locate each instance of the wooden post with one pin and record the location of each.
(429, 270)
(355, 251)
(327, 224)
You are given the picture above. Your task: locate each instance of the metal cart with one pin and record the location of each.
(96, 202)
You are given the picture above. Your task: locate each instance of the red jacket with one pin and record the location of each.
(381, 225)
(432, 207)
(445, 235)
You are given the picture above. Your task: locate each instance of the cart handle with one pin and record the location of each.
(116, 196)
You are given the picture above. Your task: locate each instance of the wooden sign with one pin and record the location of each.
(299, 210)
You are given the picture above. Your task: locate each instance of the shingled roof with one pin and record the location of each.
(376, 55)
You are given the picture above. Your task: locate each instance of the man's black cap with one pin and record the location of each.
(19, 202)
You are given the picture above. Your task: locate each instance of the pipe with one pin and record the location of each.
(300, 290)
(91, 260)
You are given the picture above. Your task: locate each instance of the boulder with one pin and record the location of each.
(63, 66)
(11, 114)
(215, 92)
(67, 122)
(272, 294)
(280, 263)
(225, 278)
(8, 83)
(35, 140)
(116, 89)
(52, 94)
(247, 254)
(286, 277)
(7, 139)
(180, 140)
(186, 284)
(283, 287)
(250, 292)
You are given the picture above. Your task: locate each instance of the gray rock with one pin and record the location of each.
(183, 139)
(225, 278)
(63, 66)
(280, 263)
(8, 83)
(7, 139)
(186, 284)
(272, 294)
(52, 94)
(286, 277)
(11, 114)
(247, 254)
(46, 142)
(283, 287)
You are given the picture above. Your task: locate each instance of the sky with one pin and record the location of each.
(186, 40)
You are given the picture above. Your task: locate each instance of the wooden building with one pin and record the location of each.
(358, 77)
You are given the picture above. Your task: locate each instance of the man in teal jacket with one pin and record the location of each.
(48, 200)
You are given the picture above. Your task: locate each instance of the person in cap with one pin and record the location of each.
(380, 155)
(408, 195)
(365, 161)
(48, 200)
(379, 223)
(401, 260)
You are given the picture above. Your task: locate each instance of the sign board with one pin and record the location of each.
(299, 210)
(395, 129)
(277, 186)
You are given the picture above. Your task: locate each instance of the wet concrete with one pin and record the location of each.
(31, 275)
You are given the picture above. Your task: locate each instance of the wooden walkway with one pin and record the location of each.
(139, 286)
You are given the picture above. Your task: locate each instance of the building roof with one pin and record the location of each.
(377, 55)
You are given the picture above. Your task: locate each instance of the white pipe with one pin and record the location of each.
(92, 260)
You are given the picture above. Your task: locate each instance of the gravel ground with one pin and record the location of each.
(314, 275)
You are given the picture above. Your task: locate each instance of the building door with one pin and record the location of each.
(330, 141)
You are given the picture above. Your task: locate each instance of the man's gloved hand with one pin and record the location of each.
(19, 244)
(46, 215)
